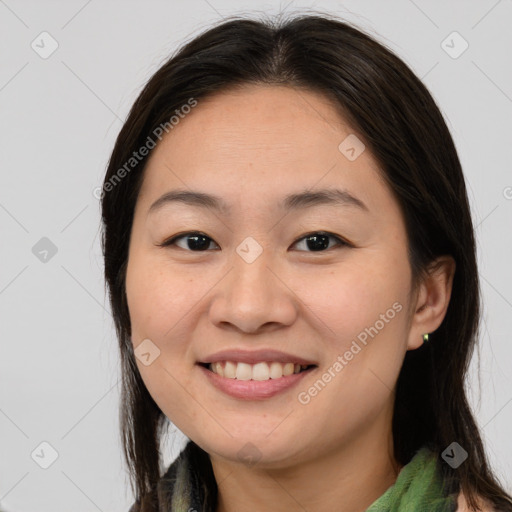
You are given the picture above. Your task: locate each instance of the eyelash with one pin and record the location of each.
(341, 241)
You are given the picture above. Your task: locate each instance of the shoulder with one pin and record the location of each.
(462, 505)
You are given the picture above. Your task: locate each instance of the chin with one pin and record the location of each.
(255, 450)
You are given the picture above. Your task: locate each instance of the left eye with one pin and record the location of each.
(320, 240)
(197, 242)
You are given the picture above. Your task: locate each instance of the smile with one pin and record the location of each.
(260, 371)
(248, 387)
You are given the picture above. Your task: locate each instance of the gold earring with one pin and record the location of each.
(425, 338)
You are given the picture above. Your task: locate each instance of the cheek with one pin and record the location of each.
(362, 313)
(158, 297)
(158, 309)
(349, 300)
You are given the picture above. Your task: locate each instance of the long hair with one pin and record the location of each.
(400, 123)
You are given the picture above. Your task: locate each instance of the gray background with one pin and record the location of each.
(59, 118)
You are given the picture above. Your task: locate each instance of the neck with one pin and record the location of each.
(348, 479)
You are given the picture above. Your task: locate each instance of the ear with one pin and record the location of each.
(432, 300)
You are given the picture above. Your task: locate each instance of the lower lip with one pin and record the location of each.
(254, 389)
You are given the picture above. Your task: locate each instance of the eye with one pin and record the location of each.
(319, 240)
(197, 242)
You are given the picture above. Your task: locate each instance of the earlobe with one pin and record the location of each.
(432, 301)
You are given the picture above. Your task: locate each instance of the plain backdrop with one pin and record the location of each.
(60, 114)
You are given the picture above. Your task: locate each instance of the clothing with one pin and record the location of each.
(419, 487)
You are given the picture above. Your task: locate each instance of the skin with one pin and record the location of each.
(252, 147)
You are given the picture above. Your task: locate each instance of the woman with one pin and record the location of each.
(291, 265)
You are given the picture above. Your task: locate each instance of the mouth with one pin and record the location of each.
(260, 371)
(259, 381)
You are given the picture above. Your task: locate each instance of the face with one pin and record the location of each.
(323, 282)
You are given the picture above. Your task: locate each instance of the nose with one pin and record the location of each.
(254, 297)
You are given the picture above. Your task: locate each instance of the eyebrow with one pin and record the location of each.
(305, 199)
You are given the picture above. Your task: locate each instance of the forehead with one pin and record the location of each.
(258, 142)
(259, 117)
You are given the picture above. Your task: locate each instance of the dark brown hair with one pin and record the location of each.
(400, 123)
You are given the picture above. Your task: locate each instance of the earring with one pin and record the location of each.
(425, 338)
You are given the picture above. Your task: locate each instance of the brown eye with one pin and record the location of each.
(195, 242)
(199, 242)
(319, 241)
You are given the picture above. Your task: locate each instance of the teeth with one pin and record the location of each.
(243, 371)
(219, 369)
(288, 369)
(276, 370)
(229, 370)
(258, 371)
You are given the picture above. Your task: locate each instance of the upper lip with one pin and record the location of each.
(255, 356)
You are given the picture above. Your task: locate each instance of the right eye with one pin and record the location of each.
(196, 241)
